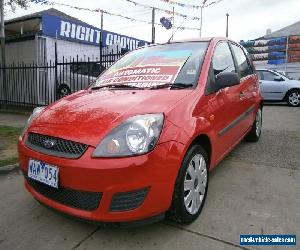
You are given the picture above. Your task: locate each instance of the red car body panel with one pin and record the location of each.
(111, 176)
(88, 116)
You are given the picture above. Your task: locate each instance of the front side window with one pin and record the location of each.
(243, 65)
(260, 75)
(168, 64)
(222, 59)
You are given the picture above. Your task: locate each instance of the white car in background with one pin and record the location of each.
(275, 86)
(77, 76)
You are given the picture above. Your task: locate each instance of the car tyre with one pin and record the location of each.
(293, 98)
(63, 90)
(191, 187)
(255, 132)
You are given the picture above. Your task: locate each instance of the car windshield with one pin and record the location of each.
(282, 74)
(171, 65)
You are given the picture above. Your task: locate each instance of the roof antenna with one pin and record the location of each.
(173, 33)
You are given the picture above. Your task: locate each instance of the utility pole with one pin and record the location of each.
(201, 15)
(286, 54)
(173, 28)
(3, 61)
(2, 33)
(227, 15)
(101, 40)
(153, 26)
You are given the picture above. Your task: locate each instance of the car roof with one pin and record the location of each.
(201, 39)
(262, 69)
(214, 40)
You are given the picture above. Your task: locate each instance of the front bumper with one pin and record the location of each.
(155, 172)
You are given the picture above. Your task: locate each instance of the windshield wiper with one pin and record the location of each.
(116, 86)
(172, 86)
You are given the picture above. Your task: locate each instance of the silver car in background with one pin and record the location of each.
(76, 76)
(275, 86)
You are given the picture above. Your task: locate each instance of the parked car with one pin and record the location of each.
(278, 87)
(140, 142)
(76, 76)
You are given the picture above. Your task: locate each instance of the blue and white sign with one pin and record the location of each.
(76, 31)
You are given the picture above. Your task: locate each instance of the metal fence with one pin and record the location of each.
(31, 85)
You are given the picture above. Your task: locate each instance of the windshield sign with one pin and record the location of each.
(153, 66)
(147, 68)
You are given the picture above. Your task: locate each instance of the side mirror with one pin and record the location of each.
(227, 79)
(278, 79)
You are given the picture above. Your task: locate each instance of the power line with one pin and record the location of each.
(99, 10)
(211, 3)
(164, 10)
(191, 6)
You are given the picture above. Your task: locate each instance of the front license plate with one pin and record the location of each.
(43, 172)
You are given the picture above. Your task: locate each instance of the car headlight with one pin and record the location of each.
(137, 135)
(34, 114)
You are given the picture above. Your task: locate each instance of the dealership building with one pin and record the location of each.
(50, 54)
(32, 38)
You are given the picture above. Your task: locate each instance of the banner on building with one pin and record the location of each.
(77, 31)
(277, 50)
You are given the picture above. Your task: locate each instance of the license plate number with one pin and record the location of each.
(43, 172)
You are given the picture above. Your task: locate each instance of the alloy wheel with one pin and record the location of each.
(195, 184)
(294, 98)
(64, 92)
(258, 122)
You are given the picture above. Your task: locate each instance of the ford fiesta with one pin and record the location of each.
(140, 141)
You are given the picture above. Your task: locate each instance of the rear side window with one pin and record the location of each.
(222, 59)
(267, 75)
(242, 62)
(87, 69)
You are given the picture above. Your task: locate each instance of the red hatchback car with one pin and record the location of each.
(140, 141)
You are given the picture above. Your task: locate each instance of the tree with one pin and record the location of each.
(12, 4)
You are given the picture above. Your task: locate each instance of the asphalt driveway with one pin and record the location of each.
(255, 190)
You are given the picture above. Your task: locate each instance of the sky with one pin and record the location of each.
(248, 19)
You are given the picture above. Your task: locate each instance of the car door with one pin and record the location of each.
(248, 88)
(272, 85)
(224, 104)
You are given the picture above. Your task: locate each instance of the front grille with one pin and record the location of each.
(128, 201)
(83, 200)
(55, 146)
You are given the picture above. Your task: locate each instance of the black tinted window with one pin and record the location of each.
(242, 61)
(88, 69)
(222, 59)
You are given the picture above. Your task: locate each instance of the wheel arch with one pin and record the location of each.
(204, 141)
(261, 104)
(289, 91)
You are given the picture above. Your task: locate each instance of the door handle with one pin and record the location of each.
(242, 95)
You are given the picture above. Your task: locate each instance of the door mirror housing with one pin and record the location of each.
(278, 79)
(227, 79)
